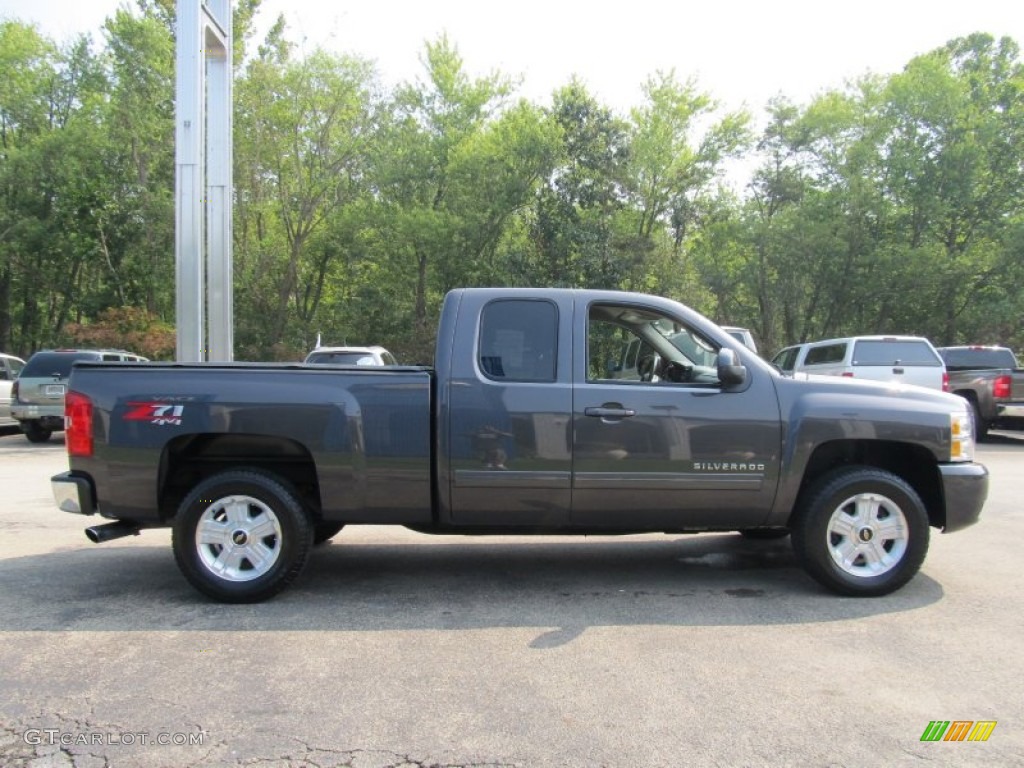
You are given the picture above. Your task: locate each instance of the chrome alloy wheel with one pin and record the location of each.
(238, 538)
(867, 535)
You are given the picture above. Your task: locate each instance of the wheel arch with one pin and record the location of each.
(913, 463)
(188, 460)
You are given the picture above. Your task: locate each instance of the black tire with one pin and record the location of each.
(978, 422)
(241, 536)
(764, 534)
(324, 532)
(863, 549)
(35, 432)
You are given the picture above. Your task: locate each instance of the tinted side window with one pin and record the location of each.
(827, 353)
(786, 359)
(518, 340)
(882, 352)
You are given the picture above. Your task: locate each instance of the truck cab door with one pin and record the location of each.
(506, 413)
(666, 445)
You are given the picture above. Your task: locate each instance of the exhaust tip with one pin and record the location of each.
(98, 534)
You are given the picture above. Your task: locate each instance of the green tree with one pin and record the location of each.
(955, 158)
(456, 163)
(573, 223)
(304, 129)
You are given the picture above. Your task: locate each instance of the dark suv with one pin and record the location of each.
(37, 397)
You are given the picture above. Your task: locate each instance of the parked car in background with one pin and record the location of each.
(743, 335)
(10, 367)
(351, 356)
(896, 359)
(37, 397)
(991, 380)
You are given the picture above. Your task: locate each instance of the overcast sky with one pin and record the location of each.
(743, 52)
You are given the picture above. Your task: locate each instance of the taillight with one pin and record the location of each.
(945, 381)
(1001, 387)
(14, 390)
(847, 374)
(78, 424)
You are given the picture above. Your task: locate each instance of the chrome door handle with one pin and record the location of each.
(609, 412)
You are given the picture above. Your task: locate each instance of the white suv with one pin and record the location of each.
(351, 356)
(898, 359)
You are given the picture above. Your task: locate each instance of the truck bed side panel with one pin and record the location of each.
(366, 432)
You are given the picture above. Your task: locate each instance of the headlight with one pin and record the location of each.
(961, 432)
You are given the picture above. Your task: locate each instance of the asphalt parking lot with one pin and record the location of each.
(398, 649)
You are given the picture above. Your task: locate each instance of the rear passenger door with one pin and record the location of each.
(509, 406)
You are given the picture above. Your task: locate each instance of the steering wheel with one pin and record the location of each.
(645, 367)
(677, 372)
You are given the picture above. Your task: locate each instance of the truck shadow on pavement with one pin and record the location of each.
(450, 583)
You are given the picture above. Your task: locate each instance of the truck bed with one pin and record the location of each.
(364, 433)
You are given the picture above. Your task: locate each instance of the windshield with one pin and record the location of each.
(693, 347)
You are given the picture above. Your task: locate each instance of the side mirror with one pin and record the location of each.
(731, 372)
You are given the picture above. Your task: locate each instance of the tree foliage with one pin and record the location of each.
(891, 204)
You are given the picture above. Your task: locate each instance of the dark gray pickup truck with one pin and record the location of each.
(528, 423)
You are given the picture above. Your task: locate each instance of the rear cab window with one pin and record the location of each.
(895, 352)
(46, 364)
(978, 358)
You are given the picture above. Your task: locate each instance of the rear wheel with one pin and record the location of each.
(35, 432)
(861, 532)
(241, 536)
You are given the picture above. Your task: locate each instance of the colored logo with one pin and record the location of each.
(160, 414)
(958, 730)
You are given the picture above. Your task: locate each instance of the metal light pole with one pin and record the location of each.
(203, 182)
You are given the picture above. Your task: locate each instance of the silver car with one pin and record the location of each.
(10, 367)
(37, 400)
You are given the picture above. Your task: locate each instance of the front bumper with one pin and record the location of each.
(964, 488)
(73, 493)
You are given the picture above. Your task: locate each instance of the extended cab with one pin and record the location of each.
(991, 380)
(527, 423)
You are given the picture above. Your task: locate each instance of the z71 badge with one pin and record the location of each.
(160, 414)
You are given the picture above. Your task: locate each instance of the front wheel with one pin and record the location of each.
(861, 532)
(241, 536)
(978, 421)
